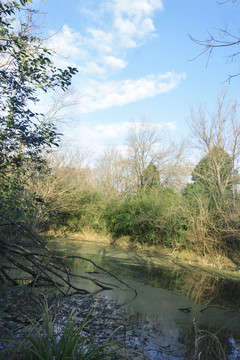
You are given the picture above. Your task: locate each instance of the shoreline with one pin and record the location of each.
(219, 265)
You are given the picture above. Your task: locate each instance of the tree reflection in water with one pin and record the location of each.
(217, 298)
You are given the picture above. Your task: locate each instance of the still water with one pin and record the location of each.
(169, 296)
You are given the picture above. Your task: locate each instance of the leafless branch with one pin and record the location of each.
(44, 266)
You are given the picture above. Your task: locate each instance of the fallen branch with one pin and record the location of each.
(44, 266)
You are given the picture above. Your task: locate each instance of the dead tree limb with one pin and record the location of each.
(42, 265)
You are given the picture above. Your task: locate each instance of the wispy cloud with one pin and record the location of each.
(100, 52)
(133, 20)
(112, 29)
(103, 134)
(98, 95)
(171, 126)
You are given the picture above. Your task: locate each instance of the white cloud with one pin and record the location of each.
(101, 50)
(100, 136)
(100, 40)
(113, 131)
(68, 44)
(115, 62)
(133, 19)
(92, 54)
(107, 135)
(171, 126)
(105, 44)
(139, 7)
(102, 95)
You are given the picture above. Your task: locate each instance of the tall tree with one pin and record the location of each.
(215, 174)
(217, 136)
(26, 69)
(213, 196)
(151, 176)
(142, 141)
(147, 150)
(112, 174)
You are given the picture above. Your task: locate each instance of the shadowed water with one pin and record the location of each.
(169, 297)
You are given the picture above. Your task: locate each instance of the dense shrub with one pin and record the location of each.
(154, 216)
(89, 212)
(212, 227)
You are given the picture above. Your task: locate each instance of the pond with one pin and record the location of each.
(170, 298)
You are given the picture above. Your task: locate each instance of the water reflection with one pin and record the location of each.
(164, 290)
(202, 288)
(213, 344)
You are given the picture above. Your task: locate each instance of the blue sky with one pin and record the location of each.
(134, 61)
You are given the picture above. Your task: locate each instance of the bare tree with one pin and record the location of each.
(217, 136)
(174, 166)
(220, 129)
(60, 188)
(223, 39)
(145, 147)
(60, 106)
(112, 174)
(142, 141)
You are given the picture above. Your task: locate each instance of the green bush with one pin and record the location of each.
(90, 212)
(154, 216)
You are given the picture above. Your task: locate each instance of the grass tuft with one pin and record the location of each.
(49, 341)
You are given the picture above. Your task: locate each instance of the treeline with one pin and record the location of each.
(152, 194)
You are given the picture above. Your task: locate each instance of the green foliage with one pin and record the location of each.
(26, 69)
(90, 212)
(48, 341)
(203, 217)
(155, 216)
(213, 175)
(213, 203)
(120, 218)
(151, 176)
(20, 204)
